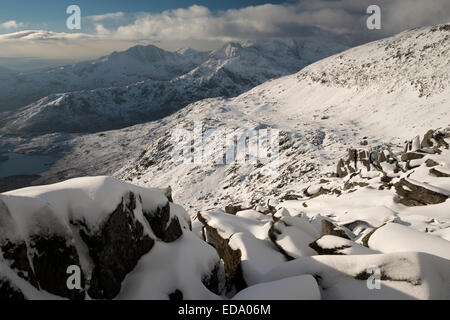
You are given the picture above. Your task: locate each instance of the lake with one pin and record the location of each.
(25, 164)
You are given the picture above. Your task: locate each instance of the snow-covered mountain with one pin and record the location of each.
(348, 200)
(117, 69)
(226, 72)
(369, 94)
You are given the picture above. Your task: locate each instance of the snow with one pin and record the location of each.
(88, 198)
(293, 288)
(146, 83)
(394, 237)
(168, 267)
(406, 275)
(383, 93)
(295, 235)
(343, 246)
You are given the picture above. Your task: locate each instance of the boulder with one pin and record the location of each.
(8, 291)
(115, 248)
(414, 195)
(332, 245)
(329, 228)
(231, 257)
(436, 173)
(411, 156)
(166, 226)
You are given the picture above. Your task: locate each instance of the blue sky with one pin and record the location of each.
(51, 14)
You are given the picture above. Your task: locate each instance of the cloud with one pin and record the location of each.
(11, 24)
(106, 16)
(201, 28)
(343, 17)
(43, 35)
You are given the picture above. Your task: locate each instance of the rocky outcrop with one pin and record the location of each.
(43, 256)
(231, 257)
(414, 195)
(39, 244)
(51, 255)
(165, 226)
(436, 173)
(329, 228)
(8, 291)
(115, 249)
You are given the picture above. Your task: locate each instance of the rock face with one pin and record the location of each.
(43, 256)
(231, 257)
(415, 195)
(51, 256)
(164, 226)
(329, 228)
(8, 291)
(116, 248)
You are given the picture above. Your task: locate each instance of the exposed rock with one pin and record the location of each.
(168, 193)
(16, 255)
(273, 236)
(14, 248)
(290, 196)
(51, 255)
(42, 258)
(332, 245)
(350, 185)
(165, 227)
(8, 291)
(177, 295)
(431, 163)
(411, 156)
(438, 173)
(215, 281)
(231, 257)
(426, 141)
(329, 228)
(365, 239)
(326, 251)
(357, 226)
(434, 139)
(232, 209)
(341, 171)
(414, 195)
(115, 249)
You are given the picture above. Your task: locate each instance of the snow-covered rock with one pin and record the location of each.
(294, 288)
(394, 237)
(401, 275)
(116, 233)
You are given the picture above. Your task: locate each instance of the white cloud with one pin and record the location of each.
(106, 16)
(11, 24)
(201, 28)
(345, 17)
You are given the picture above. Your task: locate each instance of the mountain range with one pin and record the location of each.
(147, 83)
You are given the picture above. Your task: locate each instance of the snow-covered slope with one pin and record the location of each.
(319, 117)
(227, 72)
(117, 69)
